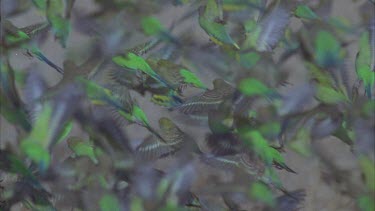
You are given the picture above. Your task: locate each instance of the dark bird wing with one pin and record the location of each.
(151, 149)
(201, 104)
(229, 162)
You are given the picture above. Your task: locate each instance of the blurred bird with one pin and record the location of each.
(104, 130)
(209, 20)
(365, 59)
(27, 186)
(230, 144)
(327, 57)
(248, 163)
(14, 7)
(135, 80)
(124, 103)
(82, 148)
(226, 127)
(15, 36)
(234, 200)
(63, 103)
(72, 70)
(12, 107)
(265, 33)
(122, 77)
(244, 165)
(34, 91)
(223, 144)
(289, 202)
(25, 38)
(221, 120)
(325, 125)
(173, 141)
(156, 187)
(172, 74)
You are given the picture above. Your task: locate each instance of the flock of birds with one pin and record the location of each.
(249, 123)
